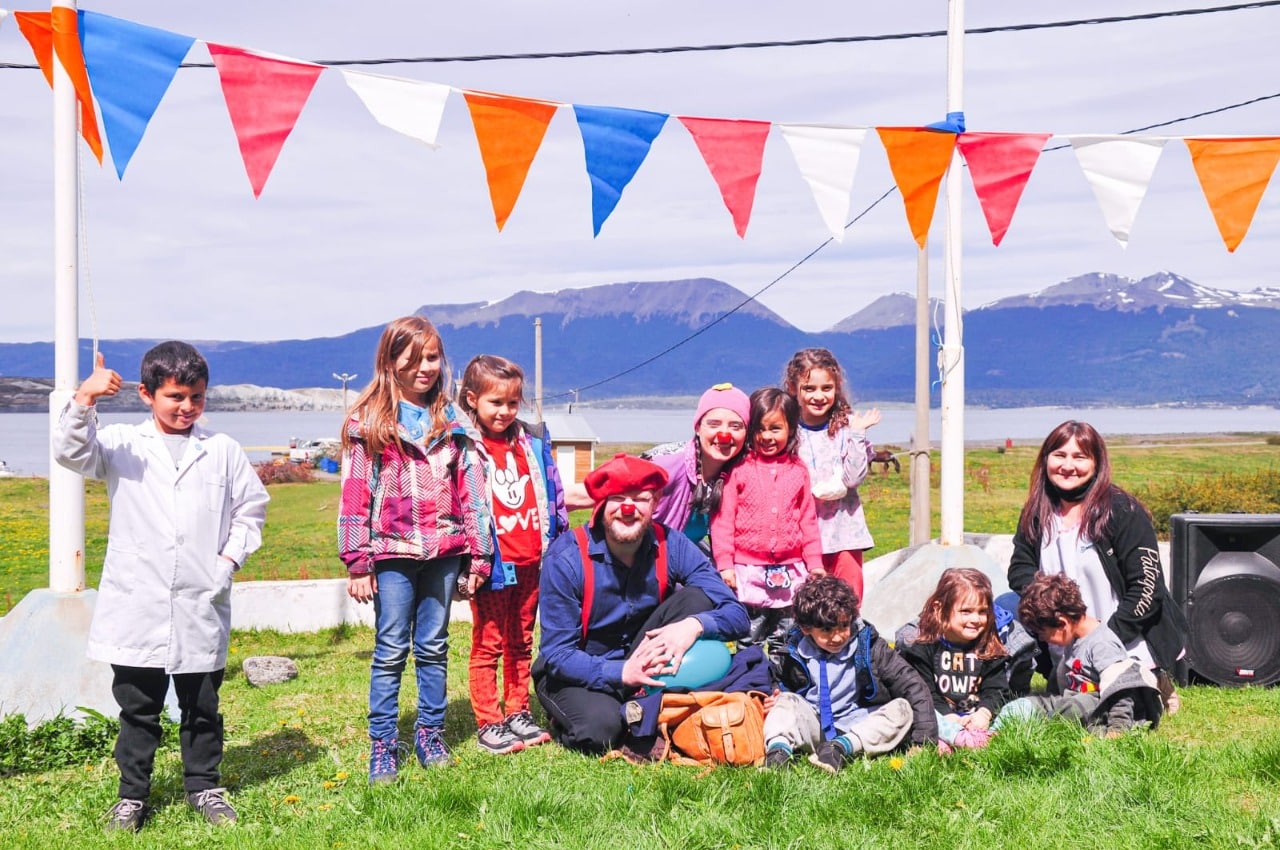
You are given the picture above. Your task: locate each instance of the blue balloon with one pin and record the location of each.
(705, 662)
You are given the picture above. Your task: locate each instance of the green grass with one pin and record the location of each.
(296, 766)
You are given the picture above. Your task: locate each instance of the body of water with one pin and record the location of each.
(24, 440)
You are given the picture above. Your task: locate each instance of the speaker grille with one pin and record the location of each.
(1235, 630)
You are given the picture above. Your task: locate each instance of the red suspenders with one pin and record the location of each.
(589, 573)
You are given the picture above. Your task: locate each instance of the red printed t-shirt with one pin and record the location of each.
(515, 505)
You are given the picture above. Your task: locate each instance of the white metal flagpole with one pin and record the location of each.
(66, 488)
(951, 358)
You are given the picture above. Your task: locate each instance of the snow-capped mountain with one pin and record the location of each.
(1159, 291)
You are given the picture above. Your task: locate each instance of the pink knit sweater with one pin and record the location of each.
(766, 515)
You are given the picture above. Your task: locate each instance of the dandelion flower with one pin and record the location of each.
(896, 763)
(341, 775)
(328, 784)
(293, 798)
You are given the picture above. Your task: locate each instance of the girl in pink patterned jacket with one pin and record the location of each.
(413, 513)
(765, 534)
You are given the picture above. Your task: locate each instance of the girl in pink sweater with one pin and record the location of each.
(765, 536)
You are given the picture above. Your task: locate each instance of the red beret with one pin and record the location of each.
(623, 474)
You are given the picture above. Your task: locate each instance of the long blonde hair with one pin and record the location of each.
(378, 407)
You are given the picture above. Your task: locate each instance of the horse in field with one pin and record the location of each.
(886, 457)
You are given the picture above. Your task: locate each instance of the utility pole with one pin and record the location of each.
(920, 517)
(345, 378)
(537, 367)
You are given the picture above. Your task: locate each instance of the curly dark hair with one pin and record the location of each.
(1048, 600)
(825, 602)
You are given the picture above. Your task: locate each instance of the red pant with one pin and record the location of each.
(846, 565)
(502, 627)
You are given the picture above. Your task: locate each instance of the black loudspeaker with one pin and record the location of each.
(1226, 577)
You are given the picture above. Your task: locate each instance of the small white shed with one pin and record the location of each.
(574, 444)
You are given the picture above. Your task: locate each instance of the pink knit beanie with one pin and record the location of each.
(727, 396)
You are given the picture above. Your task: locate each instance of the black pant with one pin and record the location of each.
(139, 691)
(591, 721)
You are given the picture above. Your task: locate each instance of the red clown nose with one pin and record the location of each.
(628, 509)
(724, 437)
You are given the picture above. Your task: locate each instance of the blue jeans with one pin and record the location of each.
(411, 608)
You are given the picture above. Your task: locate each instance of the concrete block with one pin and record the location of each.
(43, 668)
(305, 606)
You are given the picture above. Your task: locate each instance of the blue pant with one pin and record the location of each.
(411, 609)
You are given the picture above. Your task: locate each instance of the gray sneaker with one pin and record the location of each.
(212, 803)
(127, 816)
(523, 726)
(496, 738)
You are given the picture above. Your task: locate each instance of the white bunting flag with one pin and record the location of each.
(827, 156)
(411, 107)
(1119, 169)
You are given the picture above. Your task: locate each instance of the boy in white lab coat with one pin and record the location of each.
(187, 508)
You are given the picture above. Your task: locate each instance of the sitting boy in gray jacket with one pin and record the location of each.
(1100, 686)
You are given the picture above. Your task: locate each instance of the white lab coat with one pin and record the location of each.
(164, 600)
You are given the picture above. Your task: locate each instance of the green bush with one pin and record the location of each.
(1226, 492)
(63, 742)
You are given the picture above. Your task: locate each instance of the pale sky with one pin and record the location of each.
(358, 224)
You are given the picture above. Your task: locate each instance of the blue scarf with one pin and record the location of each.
(412, 417)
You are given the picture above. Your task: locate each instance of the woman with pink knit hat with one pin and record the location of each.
(696, 468)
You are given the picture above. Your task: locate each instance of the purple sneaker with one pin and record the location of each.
(428, 743)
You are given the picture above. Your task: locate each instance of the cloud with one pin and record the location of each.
(358, 224)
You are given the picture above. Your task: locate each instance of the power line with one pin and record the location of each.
(758, 45)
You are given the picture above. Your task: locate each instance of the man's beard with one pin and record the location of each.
(624, 533)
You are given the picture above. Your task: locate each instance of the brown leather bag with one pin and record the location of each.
(713, 727)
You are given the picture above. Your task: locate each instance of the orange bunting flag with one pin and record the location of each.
(57, 31)
(733, 151)
(509, 131)
(1233, 175)
(999, 166)
(918, 159)
(265, 96)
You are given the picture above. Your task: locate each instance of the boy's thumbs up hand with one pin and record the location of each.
(102, 382)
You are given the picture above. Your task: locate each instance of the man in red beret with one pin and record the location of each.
(648, 594)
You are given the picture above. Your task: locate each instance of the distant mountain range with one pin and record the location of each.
(1093, 339)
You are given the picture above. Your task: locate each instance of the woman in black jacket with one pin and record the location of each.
(1078, 523)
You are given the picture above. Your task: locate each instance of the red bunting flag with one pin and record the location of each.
(999, 166)
(265, 96)
(57, 31)
(509, 131)
(919, 159)
(1233, 175)
(733, 151)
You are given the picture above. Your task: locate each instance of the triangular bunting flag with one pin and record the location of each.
(1119, 169)
(1000, 165)
(411, 107)
(265, 96)
(615, 141)
(919, 159)
(733, 151)
(827, 157)
(131, 67)
(56, 31)
(1233, 175)
(509, 131)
